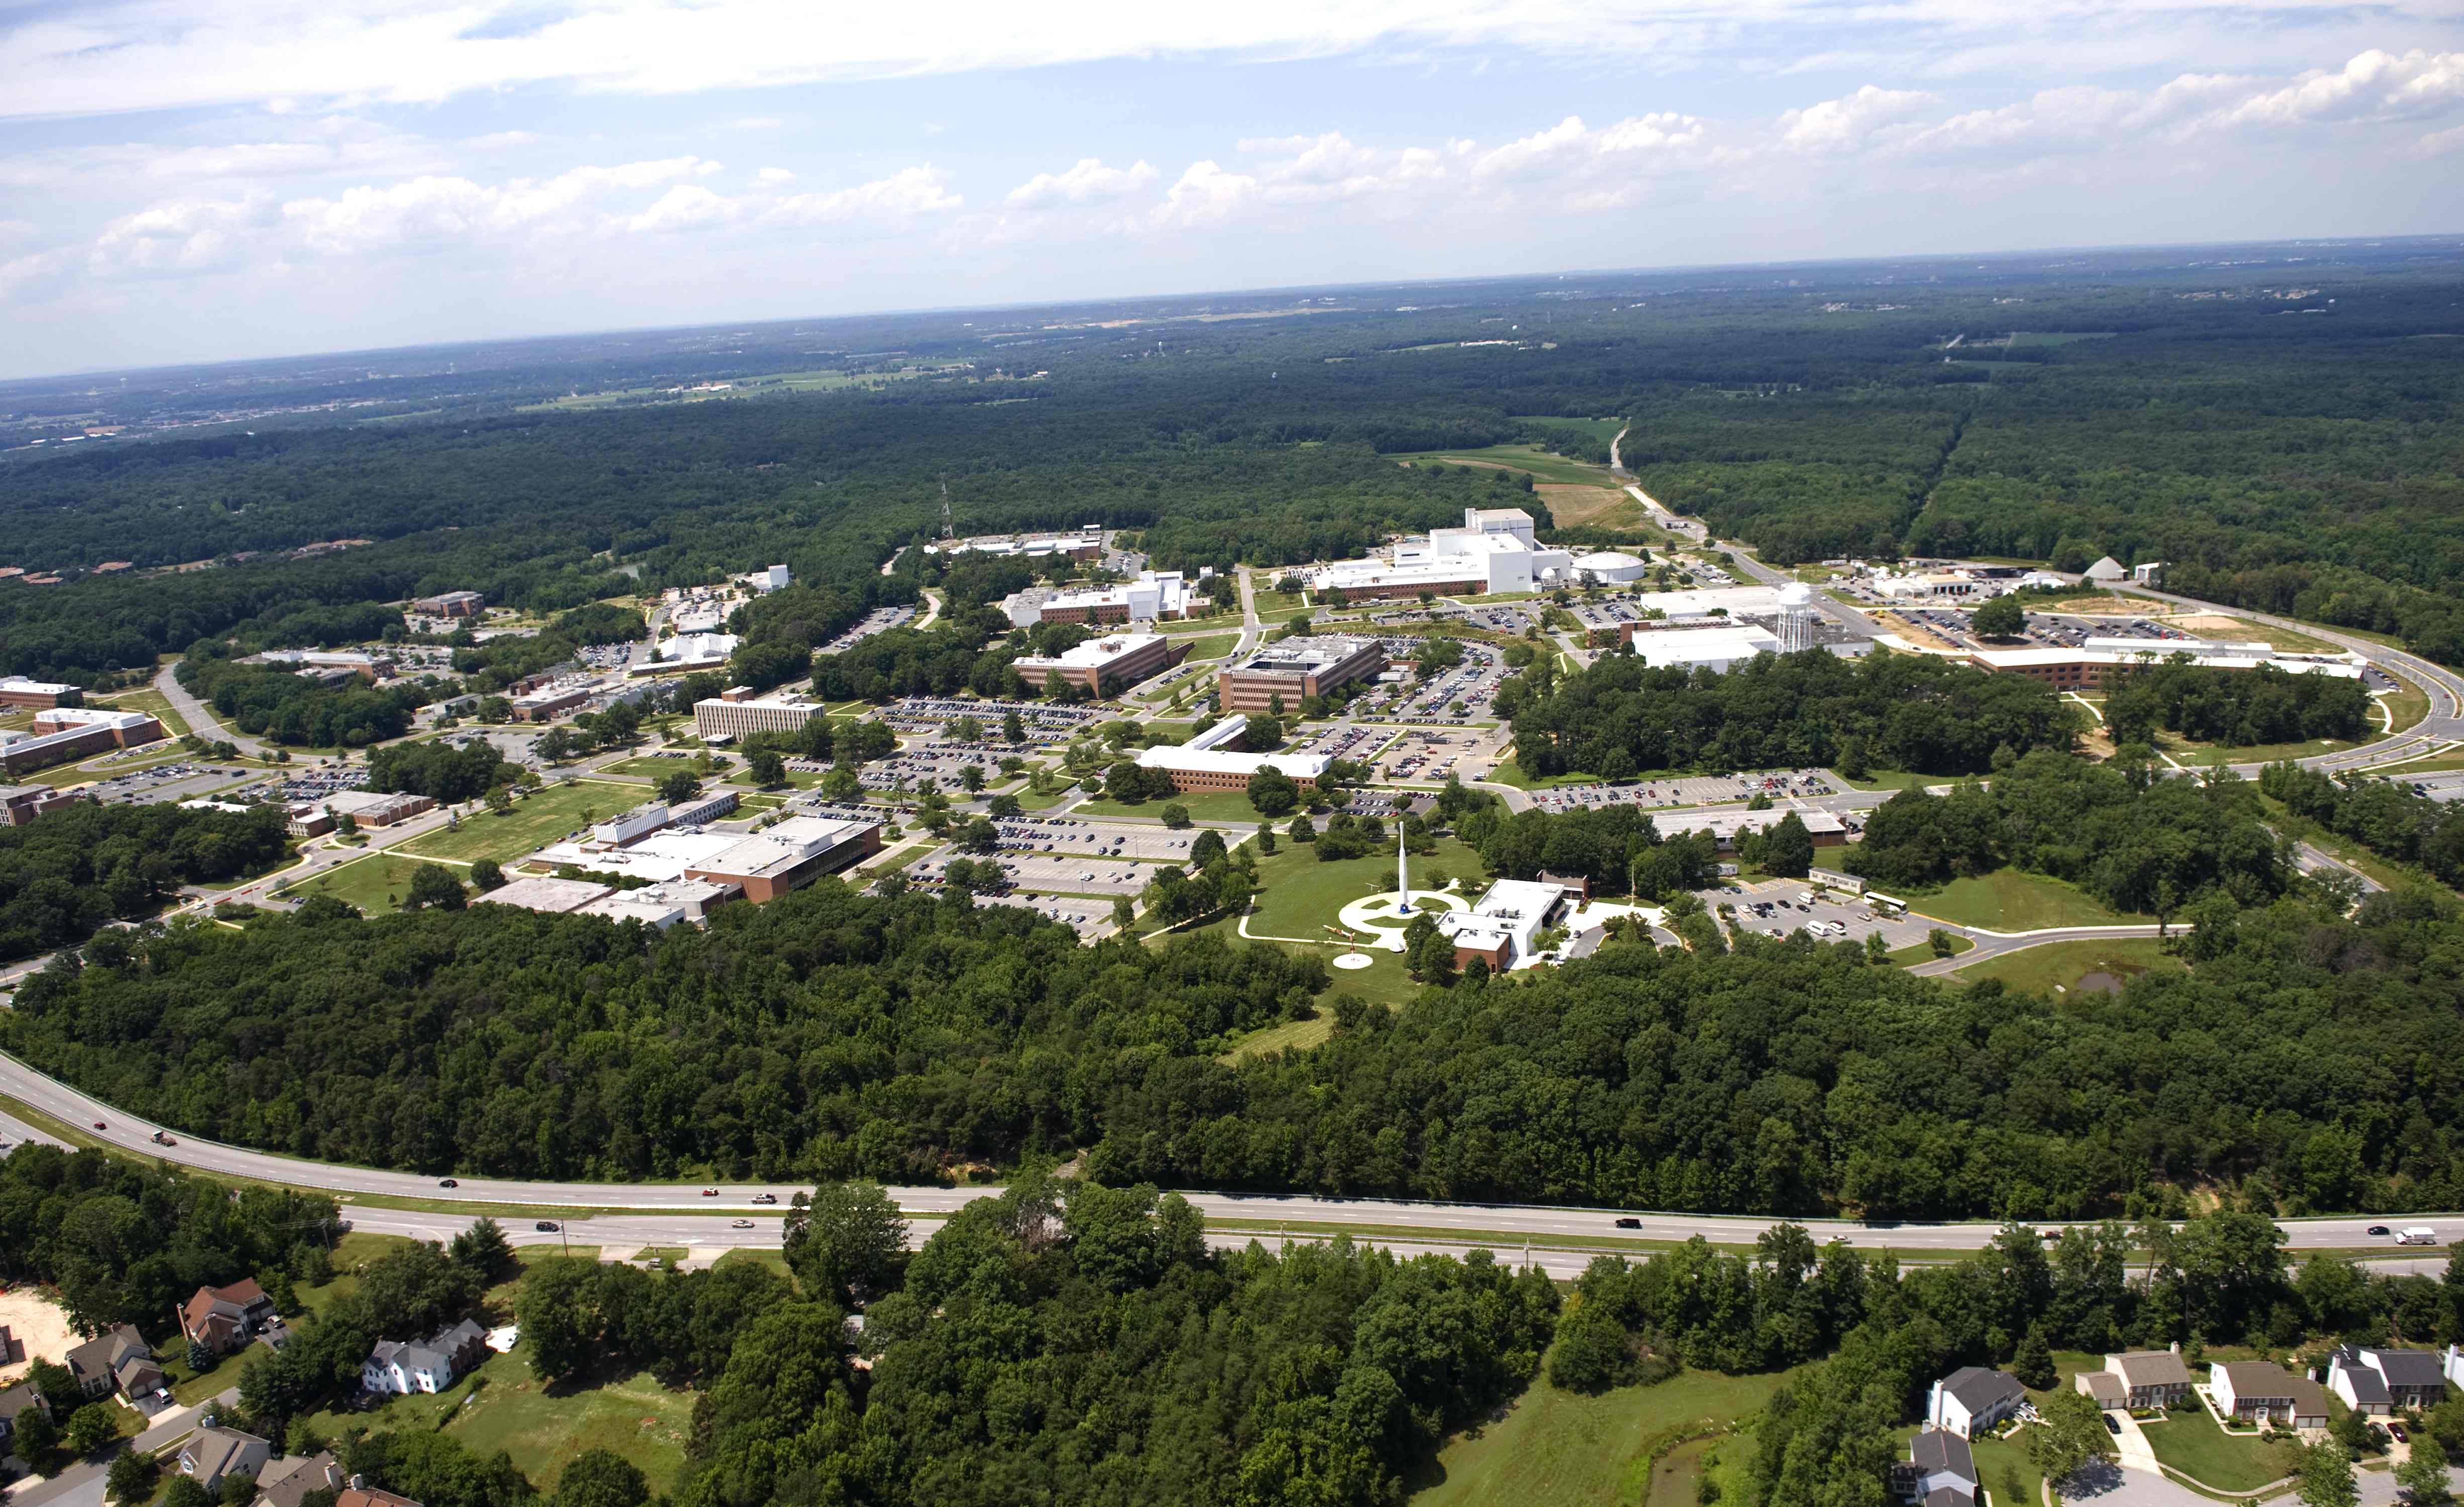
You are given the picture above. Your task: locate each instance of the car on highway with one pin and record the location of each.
(766, 1198)
(709, 1192)
(546, 1225)
(446, 1182)
(2379, 1230)
(744, 1224)
(99, 1125)
(1628, 1222)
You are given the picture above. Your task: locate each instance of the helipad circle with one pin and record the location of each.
(1354, 960)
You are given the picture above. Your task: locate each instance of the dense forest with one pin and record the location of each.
(831, 1033)
(83, 866)
(1621, 717)
(2304, 464)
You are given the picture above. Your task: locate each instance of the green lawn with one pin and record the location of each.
(2041, 969)
(797, 779)
(1532, 458)
(1511, 773)
(1603, 430)
(1215, 646)
(1923, 951)
(149, 700)
(1557, 1449)
(1029, 801)
(2008, 900)
(1290, 1036)
(648, 767)
(1278, 600)
(537, 820)
(373, 883)
(2191, 1443)
(1204, 805)
(1893, 779)
(1298, 893)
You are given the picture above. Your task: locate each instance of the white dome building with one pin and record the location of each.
(1612, 567)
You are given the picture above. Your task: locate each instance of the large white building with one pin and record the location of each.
(1493, 552)
(1154, 597)
(1500, 927)
(1612, 567)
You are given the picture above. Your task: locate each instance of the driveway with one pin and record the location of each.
(82, 1485)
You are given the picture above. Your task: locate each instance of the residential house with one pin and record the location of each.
(361, 1495)
(2138, 1378)
(283, 1482)
(2415, 1379)
(2454, 1364)
(1973, 1399)
(119, 1358)
(21, 1398)
(2262, 1391)
(424, 1366)
(1939, 1472)
(2362, 1388)
(214, 1452)
(223, 1319)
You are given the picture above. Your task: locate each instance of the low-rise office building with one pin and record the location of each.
(1493, 552)
(365, 665)
(787, 856)
(2090, 668)
(16, 691)
(1100, 667)
(1294, 668)
(60, 733)
(1154, 597)
(737, 710)
(1499, 927)
(20, 804)
(451, 604)
(371, 808)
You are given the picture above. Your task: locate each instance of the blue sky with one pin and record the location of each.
(202, 179)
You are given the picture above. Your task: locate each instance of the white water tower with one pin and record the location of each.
(1796, 617)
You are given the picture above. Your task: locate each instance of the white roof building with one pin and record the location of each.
(1509, 913)
(1493, 549)
(1715, 650)
(546, 893)
(1612, 566)
(1156, 594)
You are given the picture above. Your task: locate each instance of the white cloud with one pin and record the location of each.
(2373, 86)
(1088, 182)
(771, 177)
(687, 207)
(185, 236)
(1850, 123)
(1204, 194)
(901, 197)
(1571, 145)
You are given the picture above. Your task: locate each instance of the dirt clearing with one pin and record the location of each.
(38, 1326)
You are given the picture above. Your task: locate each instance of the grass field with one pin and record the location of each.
(2041, 969)
(150, 700)
(1603, 430)
(1204, 805)
(1532, 458)
(1892, 779)
(647, 766)
(373, 883)
(2008, 900)
(1290, 1036)
(2191, 1443)
(1298, 893)
(1511, 773)
(1558, 1449)
(1214, 645)
(539, 819)
(1923, 951)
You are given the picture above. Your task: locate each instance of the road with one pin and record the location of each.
(1252, 628)
(1996, 944)
(199, 716)
(642, 1202)
(82, 1485)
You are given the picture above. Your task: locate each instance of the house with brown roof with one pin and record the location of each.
(370, 1496)
(223, 1319)
(2262, 1391)
(283, 1482)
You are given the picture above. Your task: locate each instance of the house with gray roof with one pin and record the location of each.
(118, 1359)
(214, 1452)
(2362, 1388)
(22, 1398)
(284, 1482)
(2136, 1378)
(424, 1366)
(2413, 1380)
(1973, 1398)
(1939, 1472)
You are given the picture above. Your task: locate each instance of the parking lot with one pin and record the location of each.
(1689, 790)
(1424, 756)
(167, 782)
(1088, 918)
(880, 620)
(1783, 905)
(1047, 722)
(1070, 836)
(314, 784)
(922, 769)
(1031, 871)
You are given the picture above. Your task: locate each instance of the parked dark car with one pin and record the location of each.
(2112, 1424)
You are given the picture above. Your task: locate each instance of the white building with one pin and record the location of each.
(1973, 1398)
(424, 1366)
(1930, 587)
(1499, 927)
(1715, 650)
(1154, 597)
(1493, 552)
(1612, 567)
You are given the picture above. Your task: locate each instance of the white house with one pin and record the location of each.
(1973, 1398)
(2362, 1388)
(1939, 1472)
(423, 1365)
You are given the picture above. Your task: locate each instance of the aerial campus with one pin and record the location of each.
(1831, 882)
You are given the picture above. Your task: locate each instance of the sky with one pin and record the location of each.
(197, 180)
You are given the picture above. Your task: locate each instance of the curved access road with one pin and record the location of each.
(645, 1211)
(1991, 945)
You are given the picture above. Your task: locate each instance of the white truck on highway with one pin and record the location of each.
(2416, 1235)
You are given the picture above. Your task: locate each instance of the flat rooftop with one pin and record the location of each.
(1094, 653)
(1302, 656)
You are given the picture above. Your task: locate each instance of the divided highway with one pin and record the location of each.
(659, 1214)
